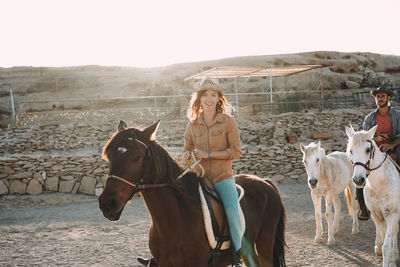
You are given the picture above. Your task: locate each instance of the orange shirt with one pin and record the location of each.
(384, 126)
(222, 134)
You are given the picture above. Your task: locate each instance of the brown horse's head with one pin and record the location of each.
(127, 153)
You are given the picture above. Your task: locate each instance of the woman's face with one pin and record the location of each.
(209, 100)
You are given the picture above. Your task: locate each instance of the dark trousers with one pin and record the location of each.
(397, 152)
(360, 196)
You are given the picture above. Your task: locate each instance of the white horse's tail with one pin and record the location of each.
(349, 200)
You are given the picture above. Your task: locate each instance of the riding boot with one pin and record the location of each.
(363, 214)
(236, 259)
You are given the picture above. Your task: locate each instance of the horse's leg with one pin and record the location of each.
(338, 210)
(329, 218)
(318, 216)
(392, 228)
(380, 233)
(353, 203)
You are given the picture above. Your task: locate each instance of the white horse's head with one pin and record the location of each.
(312, 155)
(360, 149)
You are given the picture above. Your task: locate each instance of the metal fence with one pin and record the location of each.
(144, 108)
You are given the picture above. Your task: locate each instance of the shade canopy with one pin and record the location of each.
(245, 72)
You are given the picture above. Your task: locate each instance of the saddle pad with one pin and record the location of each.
(207, 219)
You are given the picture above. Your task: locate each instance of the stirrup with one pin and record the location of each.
(146, 262)
(236, 259)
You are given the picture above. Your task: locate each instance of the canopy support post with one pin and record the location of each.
(236, 97)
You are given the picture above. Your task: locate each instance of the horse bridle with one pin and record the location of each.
(141, 186)
(371, 156)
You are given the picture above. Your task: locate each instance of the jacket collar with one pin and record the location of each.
(219, 117)
(390, 112)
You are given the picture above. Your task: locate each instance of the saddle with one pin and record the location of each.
(215, 221)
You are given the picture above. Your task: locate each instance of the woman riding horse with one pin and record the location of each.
(213, 136)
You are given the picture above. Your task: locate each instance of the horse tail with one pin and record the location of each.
(280, 243)
(349, 200)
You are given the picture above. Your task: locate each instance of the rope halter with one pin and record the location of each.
(371, 156)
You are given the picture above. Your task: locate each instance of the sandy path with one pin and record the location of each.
(76, 234)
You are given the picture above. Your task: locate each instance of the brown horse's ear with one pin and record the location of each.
(149, 132)
(122, 126)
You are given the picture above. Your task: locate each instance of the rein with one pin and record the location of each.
(138, 186)
(191, 167)
(371, 156)
(141, 186)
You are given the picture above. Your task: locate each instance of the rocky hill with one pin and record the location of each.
(344, 71)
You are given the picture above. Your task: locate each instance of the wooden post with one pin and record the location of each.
(13, 116)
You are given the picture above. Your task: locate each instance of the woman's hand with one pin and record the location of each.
(186, 155)
(200, 154)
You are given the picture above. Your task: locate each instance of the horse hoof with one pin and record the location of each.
(331, 242)
(318, 240)
(378, 252)
(355, 231)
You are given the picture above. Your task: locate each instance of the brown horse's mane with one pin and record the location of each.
(163, 168)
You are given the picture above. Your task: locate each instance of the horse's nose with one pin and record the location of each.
(359, 180)
(106, 203)
(313, 182)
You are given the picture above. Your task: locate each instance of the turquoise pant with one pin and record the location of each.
(227, 191)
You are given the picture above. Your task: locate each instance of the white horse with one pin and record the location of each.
(328, 176)
(375, 171)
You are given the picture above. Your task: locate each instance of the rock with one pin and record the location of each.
(8, 170)
(76, 187)
(87, 185)
(3, 188)
(37, 176)
(51, 183)
(344, 65)
(352, 85)
(17, 187)
(34, 187)
(67, 177)
(277, 178)
(21, 175)
(66, 186)
(279, 132)
(98, 191)
(98, 171)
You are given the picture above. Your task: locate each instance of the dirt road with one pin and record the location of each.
(49, 231)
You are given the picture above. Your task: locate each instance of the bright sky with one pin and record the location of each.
(148, 33)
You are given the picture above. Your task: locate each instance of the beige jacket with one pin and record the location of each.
(223, 134)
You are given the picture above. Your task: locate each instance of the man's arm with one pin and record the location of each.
(391, 146)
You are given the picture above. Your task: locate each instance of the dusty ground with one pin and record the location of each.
(67, 230)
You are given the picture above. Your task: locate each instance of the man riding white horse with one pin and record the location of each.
(387, 135)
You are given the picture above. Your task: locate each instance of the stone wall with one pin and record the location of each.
(67, 158)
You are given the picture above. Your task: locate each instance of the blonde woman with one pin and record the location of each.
(213, 136)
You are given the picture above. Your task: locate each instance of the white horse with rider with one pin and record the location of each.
(377, 173)
(328, 176)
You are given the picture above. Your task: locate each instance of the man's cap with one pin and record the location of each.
(382, 89)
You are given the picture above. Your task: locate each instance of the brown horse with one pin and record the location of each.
(137, 163)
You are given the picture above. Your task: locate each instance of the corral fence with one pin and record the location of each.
(143, 108)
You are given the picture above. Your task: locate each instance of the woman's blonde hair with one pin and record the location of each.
(195, 108)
